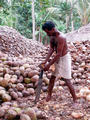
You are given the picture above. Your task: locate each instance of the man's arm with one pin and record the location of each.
(51, 50)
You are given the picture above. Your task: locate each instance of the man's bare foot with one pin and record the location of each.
(48, 98)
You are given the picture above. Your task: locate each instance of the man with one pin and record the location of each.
(62, 59)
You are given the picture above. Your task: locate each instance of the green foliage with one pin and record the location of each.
(24, 19)
(18, 14)
(3, 3)
(83, 10)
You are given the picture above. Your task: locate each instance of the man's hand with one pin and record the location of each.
(46, 67)
(42, 65)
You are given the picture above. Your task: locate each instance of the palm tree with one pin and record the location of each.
(33, 20)
(83, 8)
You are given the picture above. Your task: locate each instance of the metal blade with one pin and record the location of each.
(39, 87)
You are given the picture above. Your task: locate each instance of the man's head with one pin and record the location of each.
(49, 28)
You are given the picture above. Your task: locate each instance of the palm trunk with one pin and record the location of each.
(33, 20)
(40, 38)
(67, 20)
(72, 22)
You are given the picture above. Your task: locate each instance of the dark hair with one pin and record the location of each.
(48, 25)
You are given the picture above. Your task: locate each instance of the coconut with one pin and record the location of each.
(13, 79)
(7, 103)
(2, 92)
(27, 80)
(11, 114)
(2, 112)
(7, 77)
(23, 105)
(1, 79)
(77, 115)
(14, 104)
(57, 118)
(1, 69)
(44, 88)
(60, 88)
(74, 75)
(31, 91)
(22, 69)
(88, 97)
(1, 64)
(30, 85)
(46, 80)
(25, 93)
(84, 91)
(3, 58)
(17, 72)
(28, 69)
(40, 115)
(19, 94)
(18, 110)
(6, 97)
(32, 73)
(62, 83)
(20, 79)
(10, 89)
(78, 95)
(1, 74)
(35, 78)
(4, 82)
(14, 68)
(5, 107)
(24, 117)
(55, 89)
(2, 88)
(11, 72)
(33, 67)
(31, 113)
(25, 74)
(26, 66)
(9, 63)
(20, 87)
(14, 95)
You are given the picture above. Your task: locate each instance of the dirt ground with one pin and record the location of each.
(61, 106)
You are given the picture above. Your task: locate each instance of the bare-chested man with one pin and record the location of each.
(62, 59)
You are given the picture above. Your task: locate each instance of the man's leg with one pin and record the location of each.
(50, 87)
(71, 88)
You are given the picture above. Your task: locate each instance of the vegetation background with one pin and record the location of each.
(27, 16)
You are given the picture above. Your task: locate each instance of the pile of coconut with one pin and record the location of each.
(80, 53)
(82, 34)
(80, 60)
(13, 43)
(18, 80)
(19, 75)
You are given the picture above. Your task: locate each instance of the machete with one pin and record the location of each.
(39, 87)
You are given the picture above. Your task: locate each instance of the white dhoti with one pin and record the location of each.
(63, 67)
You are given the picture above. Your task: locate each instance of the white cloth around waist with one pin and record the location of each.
(63, 67)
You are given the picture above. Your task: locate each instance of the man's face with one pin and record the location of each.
(49, 33)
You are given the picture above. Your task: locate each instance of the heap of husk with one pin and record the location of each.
(19, 75)
(13, 43)
(18, 80)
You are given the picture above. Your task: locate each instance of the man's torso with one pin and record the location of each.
(54, 41)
